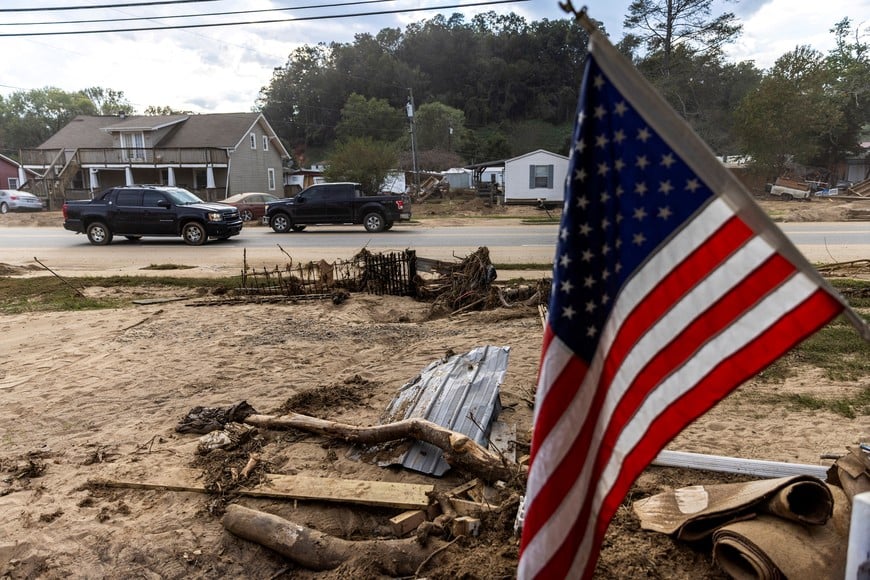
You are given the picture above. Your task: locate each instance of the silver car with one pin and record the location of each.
(12, 200)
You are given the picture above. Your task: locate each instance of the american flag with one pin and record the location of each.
(670, 288)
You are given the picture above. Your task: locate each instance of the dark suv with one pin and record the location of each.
(134, 211)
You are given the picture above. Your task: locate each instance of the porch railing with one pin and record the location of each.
(177, 156)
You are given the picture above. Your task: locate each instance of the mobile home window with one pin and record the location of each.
(271, 179)
(13, 183)
(540, 177)
(265, 143)
(253, 141)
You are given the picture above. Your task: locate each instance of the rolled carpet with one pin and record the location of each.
(769, 547)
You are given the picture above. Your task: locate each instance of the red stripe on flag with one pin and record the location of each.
(756, 355)
(681, 279)
(560, 394)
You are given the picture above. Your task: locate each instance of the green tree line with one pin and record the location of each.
(497, 86)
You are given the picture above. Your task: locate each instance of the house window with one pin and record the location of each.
(271, 178)
(134, 146)
(13, 183)
(540, 177)
(265, 143)
(253, 141)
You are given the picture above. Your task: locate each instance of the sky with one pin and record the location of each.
(221, 69)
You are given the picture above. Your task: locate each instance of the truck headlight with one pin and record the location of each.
(215, 217)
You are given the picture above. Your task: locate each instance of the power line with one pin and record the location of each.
(301, 19)
(198, 15)
(94, 7)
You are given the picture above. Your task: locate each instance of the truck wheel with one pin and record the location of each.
(788, 197)
(99, 234)
(297, 228)
(374, 222)
(193, 234)
(280, 223)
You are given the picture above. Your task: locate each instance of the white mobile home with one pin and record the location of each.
(535, 177)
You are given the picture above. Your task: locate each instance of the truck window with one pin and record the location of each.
(152, 198)
(335, 193)
(129, 198)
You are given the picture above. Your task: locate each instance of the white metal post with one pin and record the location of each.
(858, 558)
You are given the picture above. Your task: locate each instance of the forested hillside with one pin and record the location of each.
(498, 86)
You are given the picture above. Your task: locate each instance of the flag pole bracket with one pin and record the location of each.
(581, 16)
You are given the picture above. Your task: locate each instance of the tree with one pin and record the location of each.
(437, 126)
(704, 91)
(375, 118)
(30, 117)
(108, 101)
(664, 25)
(791, 115)
(849, 65)
(362, 160)
(157, 110)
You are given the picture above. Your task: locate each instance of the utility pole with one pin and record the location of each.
(409, 108)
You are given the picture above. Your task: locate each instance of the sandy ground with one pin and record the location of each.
(97, 394)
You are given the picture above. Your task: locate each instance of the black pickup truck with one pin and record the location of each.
(337, 203)
(134, 211)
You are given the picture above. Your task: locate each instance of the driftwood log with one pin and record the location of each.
(459, 450)
(318, 551)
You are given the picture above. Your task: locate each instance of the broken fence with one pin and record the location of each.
(393, 273)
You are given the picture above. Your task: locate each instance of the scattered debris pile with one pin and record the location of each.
(453, 287)
(424, 519)
(860, 189)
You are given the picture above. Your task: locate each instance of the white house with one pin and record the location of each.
(535, 177)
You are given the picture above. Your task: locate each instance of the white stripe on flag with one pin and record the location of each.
(754, 322)
(553, 450)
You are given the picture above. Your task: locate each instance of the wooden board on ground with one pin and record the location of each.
(373, 493)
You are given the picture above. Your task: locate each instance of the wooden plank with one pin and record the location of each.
(376, 493)
(460, 489)
(373, 493)
(407, 522)
(502, 437)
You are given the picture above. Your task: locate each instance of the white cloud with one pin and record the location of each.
(779, 26)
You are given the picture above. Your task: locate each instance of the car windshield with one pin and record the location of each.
(181, 196)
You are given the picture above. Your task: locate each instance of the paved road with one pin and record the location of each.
(509, 242)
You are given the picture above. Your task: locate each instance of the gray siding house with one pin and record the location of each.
(213, 155)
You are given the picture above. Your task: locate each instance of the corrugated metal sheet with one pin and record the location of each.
(460, 393)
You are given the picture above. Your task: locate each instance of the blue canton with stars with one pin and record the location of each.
(626, 192)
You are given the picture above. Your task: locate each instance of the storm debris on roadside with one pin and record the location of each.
(452, 287)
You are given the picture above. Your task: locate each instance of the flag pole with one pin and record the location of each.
(580, 17)
(856, 320)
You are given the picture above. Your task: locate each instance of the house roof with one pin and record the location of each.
(13, 163)
(535, 152)
(146, 123)
(221, 130)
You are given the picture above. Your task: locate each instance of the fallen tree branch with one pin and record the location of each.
(318, 551)
(459, 450)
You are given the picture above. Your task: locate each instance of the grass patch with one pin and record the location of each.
(848, 407)
(527, 266)
(167, 267)
(856, 292)
(51, 294)
(837, 349)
